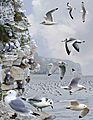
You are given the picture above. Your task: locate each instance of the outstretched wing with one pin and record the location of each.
(83, 12)
(75, 45)
(67, 50)
(53, 68)
(62, 71)
(74, 82)
(84, 112)
(49, 14)
(70, 13)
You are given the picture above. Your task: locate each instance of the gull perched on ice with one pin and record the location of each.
(69, 7)
(74, 85)
(39, 103)
(74, 43)
(17, 105)
(76, 106)
(54, 66)
(83, 11)
(48, 18)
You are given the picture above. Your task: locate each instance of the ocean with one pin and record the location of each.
(50, 86)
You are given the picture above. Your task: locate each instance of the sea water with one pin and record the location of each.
(50, 86)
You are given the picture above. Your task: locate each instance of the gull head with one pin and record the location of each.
(48, 102)
(11, 93)
(83, 106)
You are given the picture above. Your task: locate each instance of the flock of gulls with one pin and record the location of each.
(17, 103)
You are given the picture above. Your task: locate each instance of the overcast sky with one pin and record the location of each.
(49, 38)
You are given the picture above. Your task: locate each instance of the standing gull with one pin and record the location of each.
(74, 43)
(74, 85)
(59, 65)
(48, 18)
(69, 7)
(39, 103)
(83, 11)
(76, 106)
(17, 105)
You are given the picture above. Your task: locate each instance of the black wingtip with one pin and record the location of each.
(23, 99)
(56, 8)
(80, 117)
(73, 69)
(49, 74)
(36, 114)
(61, 78)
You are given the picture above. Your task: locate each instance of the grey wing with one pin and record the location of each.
(62, 71)
(49, 14)
(18, 106)
(74, 82)
(75, 45)
(52, 69)
(67, 50)
(83, 14)
(84, 112)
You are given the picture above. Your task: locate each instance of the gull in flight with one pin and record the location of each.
(69, 7)
(48, 18)
(83, 11)
(54, 66)
(74, 43)
(17, 105)
(74, 85)
(39, 103)
(76, 106)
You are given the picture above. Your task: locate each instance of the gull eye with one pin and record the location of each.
(51, 103)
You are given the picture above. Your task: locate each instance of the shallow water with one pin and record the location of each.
(42, 85)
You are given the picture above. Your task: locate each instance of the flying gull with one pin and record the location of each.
(69, 7)
(39, 103)
(74, 84)
(74, 43)
(76, 106)
(48, 18)
(83, 11)
(17, 105)
(59, 65)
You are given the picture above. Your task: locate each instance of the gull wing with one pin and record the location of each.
(84, 112)
(53, 68)
(83, 12)
(75, 45)
(62, 71)
(35, 99)
(67, 50)
(70, 13)
(18, 106)
(49, 14)
(74, 102)
(74, 82)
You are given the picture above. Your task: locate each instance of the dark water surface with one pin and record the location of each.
(42, 85)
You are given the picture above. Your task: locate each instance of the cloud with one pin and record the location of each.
(49, 37)
(35, 2)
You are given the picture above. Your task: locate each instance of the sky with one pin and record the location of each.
(48, 38)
